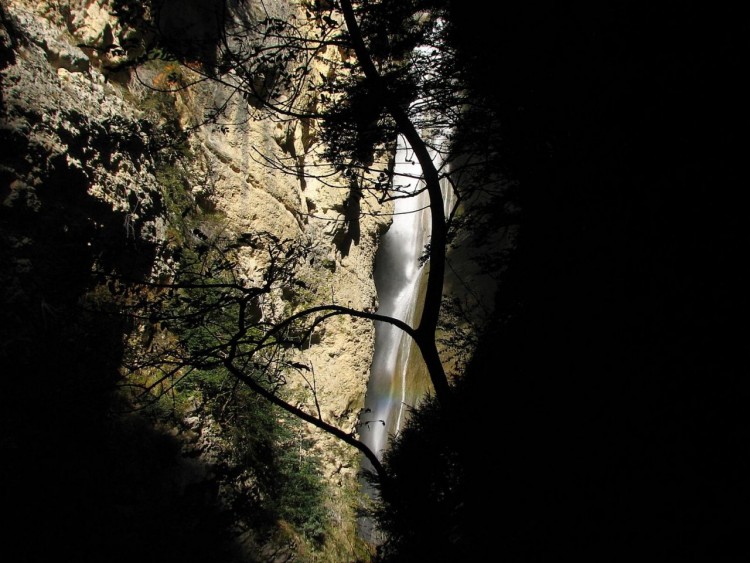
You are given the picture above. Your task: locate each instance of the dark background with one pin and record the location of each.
(615, 400)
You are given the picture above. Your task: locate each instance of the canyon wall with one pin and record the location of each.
(83, 184)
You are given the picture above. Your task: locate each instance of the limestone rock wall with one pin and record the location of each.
(77, 171)
(77, 140)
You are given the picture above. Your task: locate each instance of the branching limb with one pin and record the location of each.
(315, 421)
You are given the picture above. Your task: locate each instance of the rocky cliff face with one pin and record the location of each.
(83, 187)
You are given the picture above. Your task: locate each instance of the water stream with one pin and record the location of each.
(398, 377)
(397, 279)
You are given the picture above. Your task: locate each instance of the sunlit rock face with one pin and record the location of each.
(79, 128)
(76, 153)
(75, 63)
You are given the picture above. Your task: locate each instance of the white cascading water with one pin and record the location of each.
(396, 379)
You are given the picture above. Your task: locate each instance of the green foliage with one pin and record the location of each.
(282, 476)
(301, 492)
(395, 28)
(263, 449)
(423, 506)
(355, 126)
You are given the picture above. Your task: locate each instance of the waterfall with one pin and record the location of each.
(398, 377)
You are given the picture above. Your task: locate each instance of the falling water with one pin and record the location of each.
(397, 276)
(398, 377)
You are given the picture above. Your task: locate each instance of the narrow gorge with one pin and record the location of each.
(180, 203)
(372, 281)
